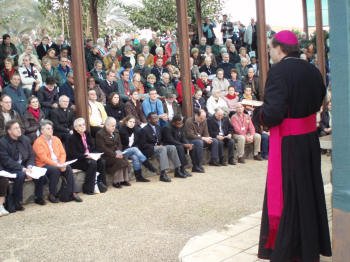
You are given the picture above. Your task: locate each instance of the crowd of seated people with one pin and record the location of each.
(133, 87)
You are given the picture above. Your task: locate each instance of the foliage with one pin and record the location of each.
(161, 15)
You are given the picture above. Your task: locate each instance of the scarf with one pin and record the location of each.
(231, 96)
(34, 112)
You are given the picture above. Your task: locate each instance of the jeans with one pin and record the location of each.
(18, 186)
(136, 157)
(264, 145)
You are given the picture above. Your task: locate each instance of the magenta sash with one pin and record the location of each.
(289, 127)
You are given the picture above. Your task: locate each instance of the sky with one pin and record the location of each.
(279, 13)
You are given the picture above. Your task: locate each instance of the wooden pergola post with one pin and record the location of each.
(321, 57)
(94, 19)
(262, 45)
(198, 11)
(305, 20)
(78, 59)
(183, 40)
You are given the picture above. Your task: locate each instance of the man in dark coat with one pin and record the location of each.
(109, 85)
(294, 223)
(7, 49)
(67, 89)
(17, 156)
(220, 127)
(7, 114)
(43, 47)
(48, 96)
(151, 143)
(62, 118)
(174, 134)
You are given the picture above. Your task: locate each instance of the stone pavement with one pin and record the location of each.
(235, 243)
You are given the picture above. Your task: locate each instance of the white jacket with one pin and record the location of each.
(27, 81)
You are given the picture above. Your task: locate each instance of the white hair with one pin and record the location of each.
(78, 121)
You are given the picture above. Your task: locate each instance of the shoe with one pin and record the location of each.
(179, 174)
(102, 187)
(223, 163)
(40, 201)
(125, 183)
(3, 211)
(19, 207)
(258, 157)
(241, 160)
(186, 173)
(164, 177)
(53, 199)
(117, 185)
(214, 163)
(196, 169)
(76, 198)
(232, 162)
(139, 177)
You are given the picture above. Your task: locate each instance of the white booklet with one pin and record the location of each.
(95, 156)
(69, 162)
(247, 102)
(4, 173)
(37, 172)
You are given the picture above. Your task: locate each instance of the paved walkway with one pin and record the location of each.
(235, 243)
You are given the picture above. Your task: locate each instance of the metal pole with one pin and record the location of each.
(305, 21)
(321, 57)
(183, 40)
(78, 59)
(262, 45)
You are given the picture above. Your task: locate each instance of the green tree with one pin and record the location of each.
(161, 15)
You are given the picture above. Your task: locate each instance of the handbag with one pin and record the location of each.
(65, 193)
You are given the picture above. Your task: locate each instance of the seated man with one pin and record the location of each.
(16, 156)
(244, 132)
(153, 104)
(7, 114)
(133, 107)
(151, 143)
(170, 106)
(97, 72)
(97, 113)
(109, 85)
(175, 135)
(62, 118)
(51, 155)
(165, 86)
(67, 89)
(48, 96)
(17, 94)
(253, 82)
(197, 133)
(220, 127)
(80, 146)
(125, 86)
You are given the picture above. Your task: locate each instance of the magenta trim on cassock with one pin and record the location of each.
(286, 37)
(289, 127)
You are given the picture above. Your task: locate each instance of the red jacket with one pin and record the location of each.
(179, 91)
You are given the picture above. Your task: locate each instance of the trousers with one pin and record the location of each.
(241, 141)
(164, 153)
(136, 157)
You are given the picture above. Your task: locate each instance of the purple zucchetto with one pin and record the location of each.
(286, 37)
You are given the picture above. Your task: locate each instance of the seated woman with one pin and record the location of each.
(108, 142)
(80, 146)
(32, 118)
(215, 101)
(232, 99)
(97, 112)
(128, 136)
(50, 154)
(4, 182)
(51, 56)
(115, 107)
(204, 84)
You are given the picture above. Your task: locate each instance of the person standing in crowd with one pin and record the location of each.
(17, 94)
(7, 114)
(196, 130)
(51, 155)
(80, 146)
(108, 141)
(208, 30)
(294, 222)
(220, 127)
(226, 28)
(42, 48)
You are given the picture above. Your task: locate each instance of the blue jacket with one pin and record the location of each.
(67, 90)
(19, 98)
(157, 106)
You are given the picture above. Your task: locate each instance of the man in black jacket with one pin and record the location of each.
(17, 156)
(109, 85)
(48, 96)
(7, 114)
(62, 118)
(175, 135)
(219, 127)
(151, 143)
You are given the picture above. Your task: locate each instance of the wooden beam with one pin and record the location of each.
(320, 45)
(94, 19)
(198, 8)
(262, 45)
(305, 20)
(183, 41)
(78, 59)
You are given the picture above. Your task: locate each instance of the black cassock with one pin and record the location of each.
(295, 89)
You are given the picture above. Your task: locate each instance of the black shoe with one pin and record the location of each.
(164, 178)
(53, 199)
(241, 160)
(214, 163)
(125, 183)
(19, 207)
(149, 166)
(198, 170)
(142, 179)
(258, 158)
(186, 173)
(76, 198)
(223, 163)
(102, 187)
(117, 185)
(232, 162)
(40, 201)
(179, 174)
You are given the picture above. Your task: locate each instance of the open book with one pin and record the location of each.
(37, 172)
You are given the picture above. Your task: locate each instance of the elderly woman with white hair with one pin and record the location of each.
(215, 101)
(81, 145)
(100, 42)
(108, 141)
